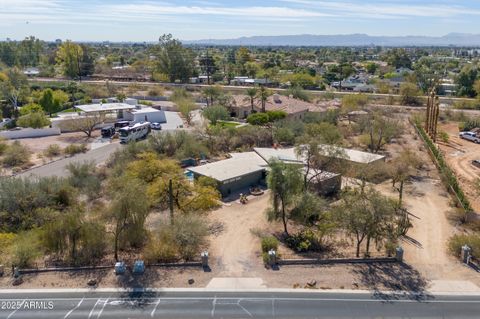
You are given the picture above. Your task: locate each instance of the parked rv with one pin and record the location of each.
(134, 133)
(470, 136)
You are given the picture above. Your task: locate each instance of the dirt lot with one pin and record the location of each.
(427, 200)
(459, 154)
(38, 145)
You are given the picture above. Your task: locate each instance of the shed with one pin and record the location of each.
(147, 114)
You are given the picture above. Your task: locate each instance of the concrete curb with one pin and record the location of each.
(213, 290)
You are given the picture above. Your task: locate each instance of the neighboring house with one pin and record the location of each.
(246, 81)
(447, 87)
(295, 108)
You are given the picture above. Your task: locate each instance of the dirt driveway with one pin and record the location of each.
(235, 251)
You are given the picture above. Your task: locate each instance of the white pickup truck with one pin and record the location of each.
(470, 136)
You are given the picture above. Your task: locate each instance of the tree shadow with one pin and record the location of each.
(400, 278)
(412, 241)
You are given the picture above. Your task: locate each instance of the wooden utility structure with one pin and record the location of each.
(433, 111)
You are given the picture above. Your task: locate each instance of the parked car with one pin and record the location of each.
(156, 126)
(470, 136)
(108, 131)
(476, 163)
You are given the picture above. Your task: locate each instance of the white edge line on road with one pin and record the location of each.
(213, 290)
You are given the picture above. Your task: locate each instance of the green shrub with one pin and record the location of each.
(53, 150)
(3, 146)
(189, 233)
(16, 155)
(33, 120)
(469, 124)
(269, 243)
(156, 91)
(303, 241)
(73, 149)
(457, 241)
(258, 119)
(25, 250)
(162, 248)
(82, 176)
(466, 105)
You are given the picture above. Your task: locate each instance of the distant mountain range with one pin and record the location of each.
(452, 39)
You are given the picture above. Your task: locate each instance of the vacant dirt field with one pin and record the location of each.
(37, 146)
(426, 198)
(459, 154)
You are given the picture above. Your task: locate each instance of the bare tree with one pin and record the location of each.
(85, 124)
(401, 170)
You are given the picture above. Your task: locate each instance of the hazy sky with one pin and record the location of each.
(140, 20)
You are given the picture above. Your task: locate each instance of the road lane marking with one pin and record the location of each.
(244, 309)
(152, 314)
(103, 307)
(273, 308)
(13, 312)
(213, 305)
(75, 308)
(91, 311)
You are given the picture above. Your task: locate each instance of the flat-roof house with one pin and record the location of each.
(240, 171)
(249, 169)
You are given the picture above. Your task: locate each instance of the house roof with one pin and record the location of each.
(289, 154)
(282, 154)
(104, 107)
(144, 110)
(287, 104)
(238, 165)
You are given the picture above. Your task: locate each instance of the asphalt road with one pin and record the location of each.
(58, 168)
(229, 87)
(234, 305)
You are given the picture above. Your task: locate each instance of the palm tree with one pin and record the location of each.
(251, 95)
(263, 95)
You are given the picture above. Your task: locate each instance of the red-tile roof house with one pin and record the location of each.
(295, 108)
